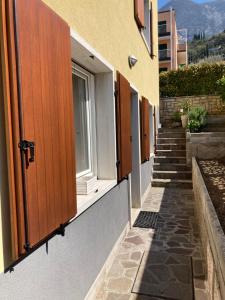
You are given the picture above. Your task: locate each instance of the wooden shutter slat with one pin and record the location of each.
(9, 73)
(139, 13)
(44, 82)
(49, 70)
(155, 130)
(145, 130)
(151, 31)
(124, 139)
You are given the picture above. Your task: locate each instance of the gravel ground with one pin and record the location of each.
(213, 172)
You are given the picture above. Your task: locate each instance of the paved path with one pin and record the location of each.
(161, 263)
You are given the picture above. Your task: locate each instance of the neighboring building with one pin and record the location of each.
(172, 42)
(60, 108)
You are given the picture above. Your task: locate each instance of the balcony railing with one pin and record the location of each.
(164, 54)
(162, 29)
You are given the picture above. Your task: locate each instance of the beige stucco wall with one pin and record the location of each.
(109, 27)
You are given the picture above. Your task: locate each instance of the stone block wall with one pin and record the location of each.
(170, 105)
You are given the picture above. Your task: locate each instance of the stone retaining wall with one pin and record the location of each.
(170, 105)
(205, 145)
(212, 237)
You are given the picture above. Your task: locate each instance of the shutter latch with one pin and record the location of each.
(25, 146)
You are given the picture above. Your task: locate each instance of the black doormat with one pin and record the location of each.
(146, 219)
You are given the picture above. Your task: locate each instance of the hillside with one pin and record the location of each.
(207, 17)
(202, 48)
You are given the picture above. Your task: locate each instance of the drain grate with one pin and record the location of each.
(146, 219)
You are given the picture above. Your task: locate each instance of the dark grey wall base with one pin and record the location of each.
(146, 174)
(73, 262)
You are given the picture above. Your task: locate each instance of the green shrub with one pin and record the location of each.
(196, 119)
(176, 117)
(194, 80)
(221, 88)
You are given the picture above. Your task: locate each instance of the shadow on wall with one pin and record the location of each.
(5, 230)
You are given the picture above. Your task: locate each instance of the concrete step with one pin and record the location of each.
(171, 153)
(166, 129)
(167, 140)
(171, 146)
(170, 167)
(172, 183)
(172, 175)
(170, 160)
(171, 135)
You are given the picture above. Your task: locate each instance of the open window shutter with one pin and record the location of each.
(43, 110)
(145, 130)
(124, 138)
(139, 13)
(155, 129)
(151, 32)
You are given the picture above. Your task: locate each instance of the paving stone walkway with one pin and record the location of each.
(161, 263)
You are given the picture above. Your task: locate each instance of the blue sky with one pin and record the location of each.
(163, 2)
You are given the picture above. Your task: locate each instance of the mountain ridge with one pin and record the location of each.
(205, 17)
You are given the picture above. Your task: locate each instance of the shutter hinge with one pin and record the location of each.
(27, 247)
(61, 230)
(117, 163)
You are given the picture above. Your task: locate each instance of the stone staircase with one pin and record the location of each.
(170, 168)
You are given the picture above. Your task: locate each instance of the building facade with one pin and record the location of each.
(79, 114)
(172, 42)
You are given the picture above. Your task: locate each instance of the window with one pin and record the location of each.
(144, 19)
(84, 121)
(164, 53)
(162, 27)
(146, 29)
(163, 70)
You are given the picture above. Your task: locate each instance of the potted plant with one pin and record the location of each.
(184, 110)
(197, 119)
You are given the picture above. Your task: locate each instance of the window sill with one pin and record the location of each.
(85, 201)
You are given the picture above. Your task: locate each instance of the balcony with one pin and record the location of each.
(162, 30)
(164, 55)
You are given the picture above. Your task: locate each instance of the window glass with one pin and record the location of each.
(81, 110)
(146, 30)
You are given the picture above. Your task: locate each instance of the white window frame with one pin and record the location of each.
(90, 109)
(105, 118)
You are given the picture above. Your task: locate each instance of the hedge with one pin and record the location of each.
(191, 81)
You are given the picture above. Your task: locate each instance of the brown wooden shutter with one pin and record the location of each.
(43, 110)
(124, 138)
(155, 130)
(145, 130)
(139, 13)
(151, 31)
